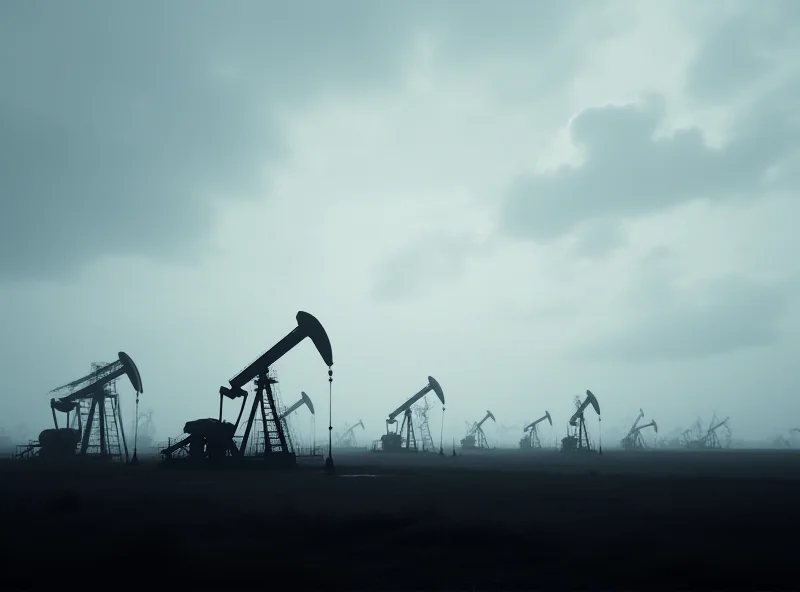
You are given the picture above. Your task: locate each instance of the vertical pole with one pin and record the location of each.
(329, 461)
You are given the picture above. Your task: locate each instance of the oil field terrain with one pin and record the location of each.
(678, 520)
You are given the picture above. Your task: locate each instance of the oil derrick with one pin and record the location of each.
(404, 439)
(421, 411)
(348, 437)
(717, 436)
(633, 440)
(287, 424)
(578, 439)
(531, 431)
(93, 425)
(264, 435)
(213, 439)
(476, 438)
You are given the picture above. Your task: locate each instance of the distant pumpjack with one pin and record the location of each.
(304, 400)
(531, 437)
(475, 438)
(97, 414)
(710, 440)
(348, 438)
(284, 419)
(633, 439)
(579, 439)
(210, 439)
(394, 441)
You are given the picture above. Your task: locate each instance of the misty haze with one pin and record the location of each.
(495, 256)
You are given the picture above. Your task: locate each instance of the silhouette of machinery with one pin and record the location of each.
(93, 425)
(348, 437)
(578, 440)
(213, 439)
(394, 441)
(531, 437)
(290, 434)
(633, 439)
(304, 400)
(476, 438)
(711, 439)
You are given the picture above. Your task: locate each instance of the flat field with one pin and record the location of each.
(500, 520)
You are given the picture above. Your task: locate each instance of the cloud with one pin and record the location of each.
(628, 172)
(424, 264)
(702, 319)
(741, 47)
(599, 238)
(630, 167)
(119, 124)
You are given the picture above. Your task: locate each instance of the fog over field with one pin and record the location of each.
(522, 199)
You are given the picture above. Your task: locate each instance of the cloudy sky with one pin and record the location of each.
(524, 199)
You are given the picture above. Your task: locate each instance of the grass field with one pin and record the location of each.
(496, 520)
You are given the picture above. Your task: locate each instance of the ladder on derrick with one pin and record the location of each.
(273, 435)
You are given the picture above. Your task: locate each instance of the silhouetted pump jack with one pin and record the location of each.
(531, 437)
(633, 439)
(394, 441)
(213, 439)
(476, 438)
(91, 395)
(579, 440)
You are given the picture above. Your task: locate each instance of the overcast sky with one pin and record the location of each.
(524, 199)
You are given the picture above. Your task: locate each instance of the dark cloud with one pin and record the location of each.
(739, 50)
(119, 121)
(627, 171)
(598, 238)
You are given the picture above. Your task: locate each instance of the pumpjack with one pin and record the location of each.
(211, 441)
(711, 440)
(476, 438)
(94, 426)
(348, 438)
(633, 439)
(531, 437)
(303, 400)
(394, 441)
(578, 440)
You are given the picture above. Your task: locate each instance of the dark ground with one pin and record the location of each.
(498, 520)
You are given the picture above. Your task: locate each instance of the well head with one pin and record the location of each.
(307, 401)
(593, 401)
(436, 388)
(313, 329)
(132, 371)
(547, 415)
